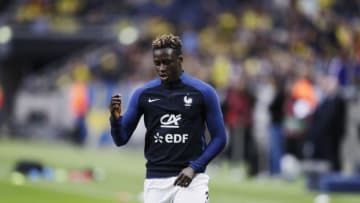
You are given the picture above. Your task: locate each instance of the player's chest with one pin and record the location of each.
(186, 103)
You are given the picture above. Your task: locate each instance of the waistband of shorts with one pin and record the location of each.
(162, 174)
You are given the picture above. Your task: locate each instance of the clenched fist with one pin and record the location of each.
(115, 106)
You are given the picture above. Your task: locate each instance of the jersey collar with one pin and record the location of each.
(174, 84)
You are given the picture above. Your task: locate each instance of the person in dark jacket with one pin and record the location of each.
(327, 128)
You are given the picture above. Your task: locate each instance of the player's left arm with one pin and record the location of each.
(215, 124)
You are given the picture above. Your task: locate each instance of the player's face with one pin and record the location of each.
(167, 64)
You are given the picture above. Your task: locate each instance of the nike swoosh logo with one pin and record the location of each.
(152, 100)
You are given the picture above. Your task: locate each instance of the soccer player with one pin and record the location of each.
(176, 108)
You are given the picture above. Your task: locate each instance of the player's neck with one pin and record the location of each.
(174, 83)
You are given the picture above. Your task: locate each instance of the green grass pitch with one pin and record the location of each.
(123, 183)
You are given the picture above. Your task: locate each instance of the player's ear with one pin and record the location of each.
(180, 57)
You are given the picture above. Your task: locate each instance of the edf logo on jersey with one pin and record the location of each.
(170, 121)
(171, 138)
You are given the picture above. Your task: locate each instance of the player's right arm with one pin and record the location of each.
(122, 127)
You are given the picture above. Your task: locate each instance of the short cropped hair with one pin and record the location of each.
(168, 41)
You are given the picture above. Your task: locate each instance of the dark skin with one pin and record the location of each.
(168, 67)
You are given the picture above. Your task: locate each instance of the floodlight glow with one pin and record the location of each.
(128, 35)
(5, 34)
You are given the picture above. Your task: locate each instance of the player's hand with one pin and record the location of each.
(185, 177)
(115, 106)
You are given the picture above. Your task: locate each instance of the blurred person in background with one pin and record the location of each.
(327, 127)
(238, 111)
(276, 130)
(79, 102)
(340, 68)
(79, 106)
(299, 105)
(1, 102)
(176, 108)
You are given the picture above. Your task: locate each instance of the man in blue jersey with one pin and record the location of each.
(176, 109)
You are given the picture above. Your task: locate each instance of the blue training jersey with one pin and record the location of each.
(175, 115)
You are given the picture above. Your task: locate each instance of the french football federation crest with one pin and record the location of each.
(187, 101)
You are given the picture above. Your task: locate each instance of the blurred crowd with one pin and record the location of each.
(286, 71)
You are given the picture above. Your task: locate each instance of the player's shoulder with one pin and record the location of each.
(149, 85)
(146, 86)
(198, 84)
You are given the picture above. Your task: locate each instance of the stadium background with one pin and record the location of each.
(61, 60)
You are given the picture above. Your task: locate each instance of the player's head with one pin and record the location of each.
(167, 57)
